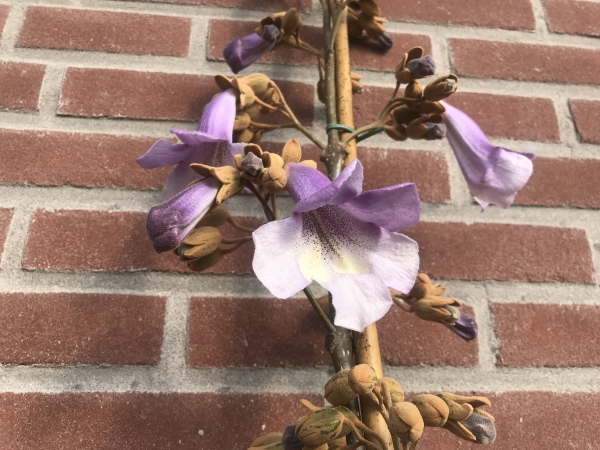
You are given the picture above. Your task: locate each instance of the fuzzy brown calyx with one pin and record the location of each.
(362, 379)
(287, 22)
(216, 217)
(206, 262)
(230, 178)
(396, 391)
(337, 389)
(406, 422)
(441, 88)
(403, 75)
(432, 408)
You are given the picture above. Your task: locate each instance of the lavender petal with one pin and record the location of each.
(163, 153)
(242, 52)
(465, 327)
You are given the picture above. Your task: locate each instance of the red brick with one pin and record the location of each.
(111, 241)
(507, 116)
(227, 332)
(385, 167)
(155, 95)
(105, 31)
(76, 159)
(503, 252)
(547, 335)
(5, 218)
(503, 116)
(20, 85)
(586, 113)
(128, 421)
(364, 54)
(527, 62)
(573, 17)
(531, 420)
(406, 340)
(270, 5)
(4, 10)
(562, 182)
(81, 329)
(507, 14)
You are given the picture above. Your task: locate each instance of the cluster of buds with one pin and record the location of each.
(257, 95)
(286, 23)
(364, 17)
(419, 114)
(426, 302)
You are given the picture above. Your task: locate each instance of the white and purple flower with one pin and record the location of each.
(344, 240)
(243, 52)
(210, 145)
(494, 174)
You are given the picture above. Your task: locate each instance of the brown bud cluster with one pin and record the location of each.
(257, 95)
(426, 302)
(419, 114)
(288, 23)
(467, 420)
(364, 17)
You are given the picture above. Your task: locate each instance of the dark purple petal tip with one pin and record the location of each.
(242, 52)
(289, 440)
(465, 327)
(386, 40)
(482, 428)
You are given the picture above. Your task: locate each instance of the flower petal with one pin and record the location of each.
(392, 208)
(465, 327)
(395, 260)
(169, 223)
(278, 248)
(303, 181)
(218, 116)
(242, 52)
(359, 300)
(162, 154)
(494, 174)
(345, 187)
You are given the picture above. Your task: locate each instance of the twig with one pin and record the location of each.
(265, 205)
(319, 310)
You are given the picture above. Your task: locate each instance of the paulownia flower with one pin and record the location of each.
(494, 174)
(210, 145)
(343, 239)
(243, 52)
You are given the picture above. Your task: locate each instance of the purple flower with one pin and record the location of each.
(210, 145)
(494, 174)
(342, 239)
(242, 52)
(465, 327)
(169, 223)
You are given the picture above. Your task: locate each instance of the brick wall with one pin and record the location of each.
(105, 344)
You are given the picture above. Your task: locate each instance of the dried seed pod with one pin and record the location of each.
(292, 152)
(406, 422)
(362, 379)
(396, 391)
(441, 88)
(433, 409)
(337, 389)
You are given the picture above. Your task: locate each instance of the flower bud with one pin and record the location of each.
(251, 164)
(242, 121)
(368, 7)
(243, 136)
(337, 389)
(320, 427)
(433, 409)
(290, 441)
(406, 422)
(435, 131)
(274, 179)
(441, 88)
(354, 28)
(216, 217)
(266, 439)
(207, 262)
(397, 133)
(403, 74)
(461, 407)
(413, 90)
(396, 391)
(465, 327)
(362, 379)
(291, 22)
(432, 308)
(385, 40)
(421, 67)
(481, 427)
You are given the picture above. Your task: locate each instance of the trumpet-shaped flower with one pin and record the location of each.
(169, 223)
(494, 174)
(243, 52)
(344, 240)
(210, 145)
(465, 327)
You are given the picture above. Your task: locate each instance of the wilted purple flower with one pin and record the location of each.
(242, 52)
(210, 145)
(421, 67)
(169, 223)
(290, 440)
(481, 427)
(385, 39)
(465, 327)
(343, 239)
(494, 174)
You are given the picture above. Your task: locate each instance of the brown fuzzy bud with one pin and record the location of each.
(461, 407)
(397, 133)
(432, 308)
(433, 409)
(403, 75)
(369, 7)
(242, 121)
(337, 389)
(215, 217)
(258, 134)
(199, 243)
(414, 90)
(292, 152)
(274, 179)
(243, 136)
(406, 422)
(291, 22)
(362, 379)
(404, 115)
(396, 391)
(207, 262)
(266, 439)
(320, 427)
(354, 28)
(441, 88)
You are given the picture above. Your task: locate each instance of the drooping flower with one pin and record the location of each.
(343, 239)
(242, 52)
(210, 145)
(494, 174)
(169, 223)
(465, 327)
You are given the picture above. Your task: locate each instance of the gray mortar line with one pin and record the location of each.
(288, 380)
(541, 24)
(15, 243)
(174, 349)
(12, 27)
